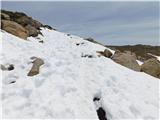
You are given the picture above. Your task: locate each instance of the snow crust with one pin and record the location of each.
(67, 82)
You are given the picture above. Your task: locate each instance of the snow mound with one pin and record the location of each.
(67, 82)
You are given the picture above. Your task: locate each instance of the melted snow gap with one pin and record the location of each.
(99, 109)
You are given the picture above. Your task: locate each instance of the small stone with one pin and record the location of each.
(36, 66)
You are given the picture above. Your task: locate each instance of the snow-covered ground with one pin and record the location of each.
(139, 62)
(67, 82)
(157, 57)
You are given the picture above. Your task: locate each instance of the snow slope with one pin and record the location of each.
(67, 82)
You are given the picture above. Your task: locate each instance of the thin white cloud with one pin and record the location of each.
(116, 22)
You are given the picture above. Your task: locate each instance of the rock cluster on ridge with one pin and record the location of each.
(21, 25)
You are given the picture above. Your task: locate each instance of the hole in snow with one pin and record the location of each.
(80, 43)
(101, 114)
(96, 99)
(99, 109)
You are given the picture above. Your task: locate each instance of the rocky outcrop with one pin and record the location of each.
(126, 59)
(36, 67)
(14, 28)
(21, 22)
(151, 67)
(25, 20)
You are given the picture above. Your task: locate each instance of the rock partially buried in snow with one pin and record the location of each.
(105, 53)
(14, 28)
(126, 59)
(7, 67)
(36, 66)
(151, 67)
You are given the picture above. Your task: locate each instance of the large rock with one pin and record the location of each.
(14, 28)
(32, 31)
(5, 16)
(152, 67)
(25, 20)
(36, 66)
(32, 26)
(126, 59)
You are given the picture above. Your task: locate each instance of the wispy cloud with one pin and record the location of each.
(109, 22)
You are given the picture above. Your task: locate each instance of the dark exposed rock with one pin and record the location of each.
(24, 20)
(86, 55)
(68, 34)
(41, 41)
(100, 111)
(11, 67)
(13, 15)
(12, 82)
(105, 53)
(96, 99)
(101, 114)
(80, 43)
(7, 67)
(77, 44)
(49, 27)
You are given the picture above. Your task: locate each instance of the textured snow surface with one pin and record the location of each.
(67, 82)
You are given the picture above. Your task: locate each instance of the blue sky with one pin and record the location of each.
(111, 23)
